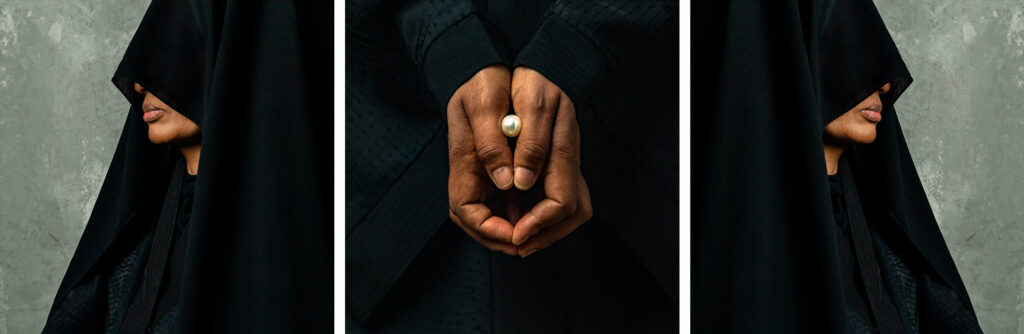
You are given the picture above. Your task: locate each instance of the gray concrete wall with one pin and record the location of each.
(963, 118)
(60, 118)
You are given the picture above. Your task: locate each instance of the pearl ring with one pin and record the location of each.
(511, 125)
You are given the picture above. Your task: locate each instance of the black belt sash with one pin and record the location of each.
(885, 316)
(139, 314)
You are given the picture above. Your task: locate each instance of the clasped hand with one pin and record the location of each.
(489, 184)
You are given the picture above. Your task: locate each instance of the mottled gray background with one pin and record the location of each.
(963, 118)
(60, 118)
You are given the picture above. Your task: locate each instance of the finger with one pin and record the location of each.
(537, 112)
(465, 191)
(549, 236)
(560, 179)
(491, 144)
(464, 169)
(461, 149)
(496, 246)
(481, 220)
(465, 194)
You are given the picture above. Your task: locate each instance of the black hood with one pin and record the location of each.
(852, 56)
(767, 77)
(171, 55)
(256, 76)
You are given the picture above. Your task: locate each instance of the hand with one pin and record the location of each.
(478, 152)
(549, 143)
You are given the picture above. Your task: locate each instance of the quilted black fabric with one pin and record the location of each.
(123, 281)
(99, 306)
(446, 290)
(82, 310)
(924, 303)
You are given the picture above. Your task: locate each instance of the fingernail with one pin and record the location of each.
(530, 252)
(502, 177)
(524, 178)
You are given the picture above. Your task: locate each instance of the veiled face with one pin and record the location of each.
(166, 125)
(857, 125)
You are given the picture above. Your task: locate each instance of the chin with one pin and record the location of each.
(162, 134)
(864, 137)
(159, 139)
(156, 136)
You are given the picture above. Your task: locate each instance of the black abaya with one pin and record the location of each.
(768, 76)
(256, 76)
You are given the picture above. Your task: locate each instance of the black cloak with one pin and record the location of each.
(767, 77)
(256, 77)
(410, 269)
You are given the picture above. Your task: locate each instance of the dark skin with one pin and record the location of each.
(855, 126)
(544, 168)
(169, 127)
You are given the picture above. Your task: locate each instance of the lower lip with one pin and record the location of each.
(872, 116)
(151, 116)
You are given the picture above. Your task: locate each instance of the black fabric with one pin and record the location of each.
(883, 313)
(139, 313)
(161, 280)
(853, 287)
(423, 300)
(767, 77)
(455, 56)
(909, 285)
(256, 77)
(618, 272)
(901, 271)
(123, 283)
(172, 56)
(119, 286)
(844, 78)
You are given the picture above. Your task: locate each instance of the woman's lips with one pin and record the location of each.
(152, 115)
(871, 115)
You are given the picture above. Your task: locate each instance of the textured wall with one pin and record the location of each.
(60, 118)
(963, 121)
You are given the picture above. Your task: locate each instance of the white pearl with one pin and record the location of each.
(511, 125)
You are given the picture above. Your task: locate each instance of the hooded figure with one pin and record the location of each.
(410, 269)
(245, 245)
(779, 245)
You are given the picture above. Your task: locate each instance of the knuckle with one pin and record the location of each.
(565, 152)
(552, 93)
(490, 151)
(458, 147)
(532, 152)
(455, 100)
(528, 101)
(460, 158)
(569, 207)
(493, 100)
(562, 209)
(453, 194)
(474, 218)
